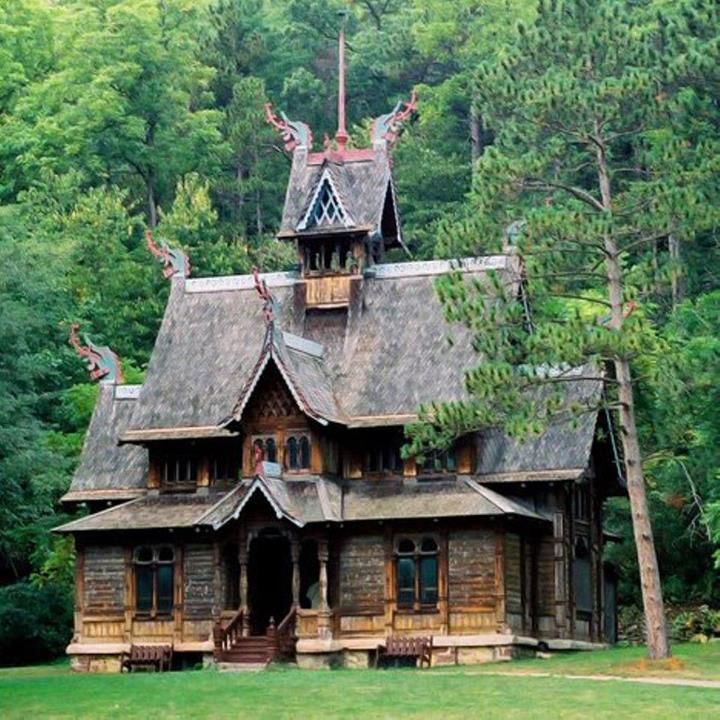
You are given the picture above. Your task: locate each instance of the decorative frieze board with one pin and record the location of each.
(239, 282)
(437, 267)
(127, 392)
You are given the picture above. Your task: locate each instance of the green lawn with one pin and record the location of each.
(690, 660)
(53, 691)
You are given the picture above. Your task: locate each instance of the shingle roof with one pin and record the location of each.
(308, 500)
(301, 365)
(361, 181)
(392, 356)
(107, 471)
(561, 451)
(145, 513)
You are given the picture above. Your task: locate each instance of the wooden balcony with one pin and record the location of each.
(328, 291)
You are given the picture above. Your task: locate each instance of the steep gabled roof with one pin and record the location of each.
(300, 363)
(107, 471)
(361, 180)
(390, 354)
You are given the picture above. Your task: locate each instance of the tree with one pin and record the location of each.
(583, 156)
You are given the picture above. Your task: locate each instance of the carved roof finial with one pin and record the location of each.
(341, 135)
(386, 128)
(294, 134)
(102, 362)
(269, 304)
(175, 262)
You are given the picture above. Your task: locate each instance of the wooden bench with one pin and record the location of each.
(395, 647)
(149, 657)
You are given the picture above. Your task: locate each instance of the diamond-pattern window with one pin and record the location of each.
(326, 210)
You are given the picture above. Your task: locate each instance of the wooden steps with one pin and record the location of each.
(253, 650)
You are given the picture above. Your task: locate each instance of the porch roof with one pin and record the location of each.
(309, 500)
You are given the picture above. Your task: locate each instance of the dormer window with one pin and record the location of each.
(178, 471)
(326, 210)
(439, 462)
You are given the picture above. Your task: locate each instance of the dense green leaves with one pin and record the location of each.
(116, 115)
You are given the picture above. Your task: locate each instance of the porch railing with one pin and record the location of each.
(282, 639)
(224, 637)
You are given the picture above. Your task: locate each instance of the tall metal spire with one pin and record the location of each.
(341, 136)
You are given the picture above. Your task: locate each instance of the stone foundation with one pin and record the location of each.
(96, 663)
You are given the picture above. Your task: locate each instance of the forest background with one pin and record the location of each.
(118, 115)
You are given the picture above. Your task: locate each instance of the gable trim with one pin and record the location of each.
(259, 486)
(326, 177)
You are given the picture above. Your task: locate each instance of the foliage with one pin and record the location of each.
(696, 625)
(116, 115)
(35, 622)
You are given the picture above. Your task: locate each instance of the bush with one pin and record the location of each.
(35, 622)
(697, 624)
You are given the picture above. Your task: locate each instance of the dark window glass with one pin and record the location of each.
(166, 554)
(406, 546)
(144, 587)
(406, 581)
(292, 454)
(164, 588)
(144, 554)
(304, 452)
(428, 546)
(428, 579)
(270, 450)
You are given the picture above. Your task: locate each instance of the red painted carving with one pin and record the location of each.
(102, 362)
(174, 261)
(293, 133)
(259, 456)
(387, 127)
(266, 296)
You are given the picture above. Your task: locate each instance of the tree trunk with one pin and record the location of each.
(476, 136)
(152, 205)
(651, 587)
(675, 275)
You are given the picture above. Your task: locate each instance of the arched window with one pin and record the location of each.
(292, 453)
(304, 452)
(297, 452)
(416, 572)
(154, 579)
(268, 446)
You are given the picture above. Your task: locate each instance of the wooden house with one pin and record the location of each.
(250, 498)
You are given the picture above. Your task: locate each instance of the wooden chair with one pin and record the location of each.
(149, 657)
(395, 647)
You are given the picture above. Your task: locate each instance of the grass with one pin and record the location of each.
(53, 691)
(689, 660)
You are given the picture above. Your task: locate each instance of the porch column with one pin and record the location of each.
(324, 615)
(243, 582)
(295, 557)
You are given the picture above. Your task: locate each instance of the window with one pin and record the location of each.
(581, 502)
(268, 447)
(385, 458)
(416, 570)
(582, 576)
(154, 579)
(439, 461)
(224, 468)
(297, 452)
(326, 210)
(178, 471)
(320, 256)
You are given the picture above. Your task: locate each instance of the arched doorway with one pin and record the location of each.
(269, 579)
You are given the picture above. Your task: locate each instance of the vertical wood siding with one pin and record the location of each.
(104, 587)
(199, 580)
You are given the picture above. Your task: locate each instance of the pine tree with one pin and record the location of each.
(588, 166)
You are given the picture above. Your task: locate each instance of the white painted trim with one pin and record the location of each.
(326, 175)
